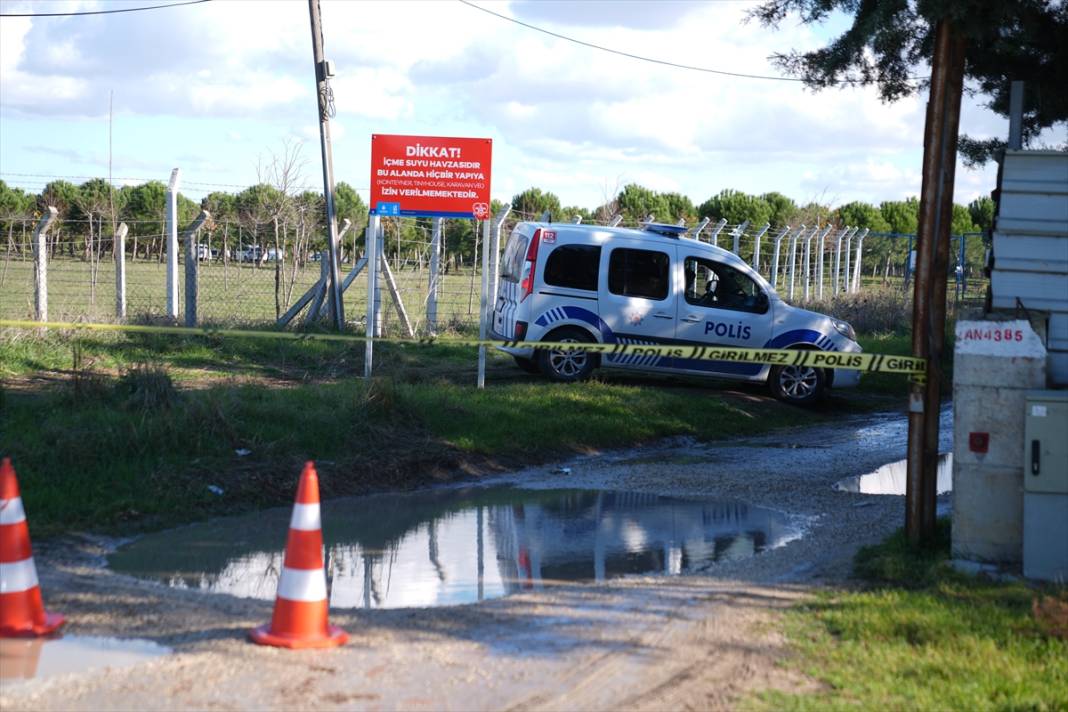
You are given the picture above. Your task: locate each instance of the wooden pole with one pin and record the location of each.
(325, 98)
(929, 296)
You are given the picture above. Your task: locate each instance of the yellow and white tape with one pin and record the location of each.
(871, 363)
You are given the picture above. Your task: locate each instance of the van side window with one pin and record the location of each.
(720, 286)
(574, 266)
(514, 253)
(638, 273)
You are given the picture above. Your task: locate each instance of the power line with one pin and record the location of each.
(99, 12)
(653, 60)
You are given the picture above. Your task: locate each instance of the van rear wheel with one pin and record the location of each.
(567, 365)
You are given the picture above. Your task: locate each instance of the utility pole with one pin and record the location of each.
(929, 296)
(323, 72)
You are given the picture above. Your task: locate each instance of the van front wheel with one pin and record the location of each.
(800, 385)
(566, 364)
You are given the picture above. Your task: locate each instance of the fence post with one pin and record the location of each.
(736, 234)
(713, 236)
(495, 255)
(616, 219)
(434, 285)
(700, 227)
(819, 267)
(837, 258)
(172, 245)
(376, 267)
(119, 248)
(775, 255)
(372, 290)
(40, 263)
(856, 268)
(793, 256)
(807, 261)
(483, 302)
(192, 263)
(756, 245)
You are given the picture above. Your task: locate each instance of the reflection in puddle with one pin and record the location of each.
(890, 479)
(25, 658)
(458, 546)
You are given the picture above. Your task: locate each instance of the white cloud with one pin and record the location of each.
(569, 118)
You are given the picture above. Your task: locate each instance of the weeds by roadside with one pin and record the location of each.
(918, 635)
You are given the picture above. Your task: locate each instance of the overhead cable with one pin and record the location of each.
(100, 12)
(653, 60)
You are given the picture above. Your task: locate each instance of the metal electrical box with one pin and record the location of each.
(1045, 554)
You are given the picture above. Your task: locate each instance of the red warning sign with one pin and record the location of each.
(431, 175)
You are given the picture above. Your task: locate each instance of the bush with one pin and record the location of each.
(876, 311)
(146, 387)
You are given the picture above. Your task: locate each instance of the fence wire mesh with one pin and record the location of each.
(244, 279)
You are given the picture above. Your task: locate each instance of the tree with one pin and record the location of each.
(16, 208)
(783, 209)
(678, 207)
(902, 215)
(635, 203)
(858, 214)
(736, 207)
(982, 212)
(145, 208)
(532, 202)
(1004, 41)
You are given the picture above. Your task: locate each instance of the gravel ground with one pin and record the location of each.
(699, 641)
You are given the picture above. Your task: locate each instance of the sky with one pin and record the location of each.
(218, 88)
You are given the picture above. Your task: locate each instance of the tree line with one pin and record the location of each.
(273, 213)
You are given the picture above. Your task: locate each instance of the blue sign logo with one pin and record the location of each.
(388, 209)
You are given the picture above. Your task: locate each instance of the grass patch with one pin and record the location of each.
(921, 636)
(112, 431)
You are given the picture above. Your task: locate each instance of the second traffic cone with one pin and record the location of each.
(22, 612)
(300, 607)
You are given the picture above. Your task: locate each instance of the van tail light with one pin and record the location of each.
(520, 330)
(527, 285)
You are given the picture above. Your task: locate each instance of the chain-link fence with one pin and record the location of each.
(244, 280)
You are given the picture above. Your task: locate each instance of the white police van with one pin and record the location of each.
(589, 283)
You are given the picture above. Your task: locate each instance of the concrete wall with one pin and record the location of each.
(995, 364)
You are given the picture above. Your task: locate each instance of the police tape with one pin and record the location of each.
(871, 363)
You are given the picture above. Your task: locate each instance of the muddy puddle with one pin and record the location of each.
(447, 547)
(891, 478)
(23, 659)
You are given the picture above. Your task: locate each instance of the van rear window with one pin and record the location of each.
(574, 266)
(638, 273)
(515, 253)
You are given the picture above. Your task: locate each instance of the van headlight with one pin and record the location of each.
(844, 329)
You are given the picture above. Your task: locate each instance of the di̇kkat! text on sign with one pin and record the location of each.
(434, 176)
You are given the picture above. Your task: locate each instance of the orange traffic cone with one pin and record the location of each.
(300, 607)
(22, 612)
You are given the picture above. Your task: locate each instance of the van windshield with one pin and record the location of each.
(514, 253)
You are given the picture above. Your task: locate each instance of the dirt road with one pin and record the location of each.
(696, 641)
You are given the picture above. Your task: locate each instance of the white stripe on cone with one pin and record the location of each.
(21, 576)
(302, 584)
(11, 511)
(305, 517)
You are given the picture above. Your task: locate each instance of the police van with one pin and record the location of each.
(589, 283)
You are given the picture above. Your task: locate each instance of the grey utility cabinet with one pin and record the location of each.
(1045, 554)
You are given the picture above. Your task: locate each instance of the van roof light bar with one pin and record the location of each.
(665, 229)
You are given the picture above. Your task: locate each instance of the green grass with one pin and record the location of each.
(920, 636)
(102, 442)
(233, 293)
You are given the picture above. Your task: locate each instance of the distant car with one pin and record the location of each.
(275, 255)
(204, 252)
(249, 253)
(587, 283)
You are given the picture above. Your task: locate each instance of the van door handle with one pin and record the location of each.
(1036, 455)
(692, 318)
(662, 315)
